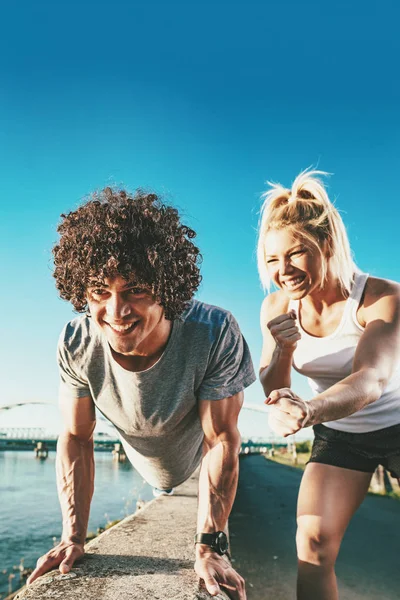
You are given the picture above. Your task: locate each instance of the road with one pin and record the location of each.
(262, 528)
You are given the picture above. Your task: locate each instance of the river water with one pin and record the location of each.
(30, 516)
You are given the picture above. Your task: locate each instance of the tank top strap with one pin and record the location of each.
(353, 302)
(360, 279)
(294, 305)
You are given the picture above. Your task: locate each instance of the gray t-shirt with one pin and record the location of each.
(155, 411)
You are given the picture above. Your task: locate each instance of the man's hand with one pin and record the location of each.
(217, 573)
(63, 556)
(288, 413)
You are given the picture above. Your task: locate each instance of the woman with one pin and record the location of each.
(340, 328)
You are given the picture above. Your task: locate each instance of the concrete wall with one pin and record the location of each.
(146, 556)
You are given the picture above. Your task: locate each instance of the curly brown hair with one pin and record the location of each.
(133, 236)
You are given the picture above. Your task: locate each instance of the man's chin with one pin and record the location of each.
(121, 346)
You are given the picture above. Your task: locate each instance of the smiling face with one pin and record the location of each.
(128, 315)
(291, 265)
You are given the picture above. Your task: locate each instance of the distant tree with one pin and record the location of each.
(304, 447)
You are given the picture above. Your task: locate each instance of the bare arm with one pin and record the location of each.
(75, 483)
(280, 334)
(75, 467)
(220, 465)
(217, 489)
(377, 356)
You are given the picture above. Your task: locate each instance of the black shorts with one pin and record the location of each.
(358, 451)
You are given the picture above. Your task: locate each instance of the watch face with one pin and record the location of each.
(221, 543)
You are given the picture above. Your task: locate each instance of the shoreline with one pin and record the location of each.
(381, 484)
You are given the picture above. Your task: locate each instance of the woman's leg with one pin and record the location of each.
(328, 498)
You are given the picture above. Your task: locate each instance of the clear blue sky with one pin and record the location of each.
(203, 102)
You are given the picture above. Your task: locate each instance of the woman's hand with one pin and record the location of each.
(288, 413)
(285, 331)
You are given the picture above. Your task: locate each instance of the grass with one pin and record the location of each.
(302, 459)
(287, 459)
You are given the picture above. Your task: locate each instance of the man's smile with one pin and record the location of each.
(122, 329)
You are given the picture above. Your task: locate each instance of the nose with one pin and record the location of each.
(117, 308)
(286, 266)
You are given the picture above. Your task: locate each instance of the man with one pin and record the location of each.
(166, 370)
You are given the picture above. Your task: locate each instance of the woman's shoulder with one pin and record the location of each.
(379, 294)
(275, 304)
(377, 287)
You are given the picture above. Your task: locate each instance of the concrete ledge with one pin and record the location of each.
(147, 556)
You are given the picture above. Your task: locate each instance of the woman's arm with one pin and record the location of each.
(377, 356)
(280, 335)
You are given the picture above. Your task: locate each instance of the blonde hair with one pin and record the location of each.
(306, 210)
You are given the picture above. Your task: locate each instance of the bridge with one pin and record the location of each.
(25, 438)
(28, 438)
(246, 406)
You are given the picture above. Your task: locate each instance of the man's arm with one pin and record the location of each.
(75, 483)
(217, 489)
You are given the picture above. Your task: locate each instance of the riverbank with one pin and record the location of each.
(382, 484)
(30, 517)
(148, 555)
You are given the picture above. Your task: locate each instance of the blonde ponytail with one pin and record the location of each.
(306, 210)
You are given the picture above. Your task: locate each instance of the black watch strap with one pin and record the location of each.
(204, 538)
(217, 541)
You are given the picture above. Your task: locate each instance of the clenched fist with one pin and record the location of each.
(285, 331)
(288, 413)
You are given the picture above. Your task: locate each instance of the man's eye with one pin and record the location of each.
(271, 260)
(137, 291)
(98, 292)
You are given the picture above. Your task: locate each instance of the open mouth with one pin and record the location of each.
(294, 283)
(122, 329)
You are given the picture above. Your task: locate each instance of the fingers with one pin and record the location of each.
(288, 326)
(44, 564)
(62, 556)
(71, 554)
(234, 585)
(286, 317)
(285, 331)
(217, 573)
(276, 395)
(281, 425)
(211, 584)
(293, 335)
(286, 421)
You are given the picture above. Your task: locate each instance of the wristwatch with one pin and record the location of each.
(217, 541)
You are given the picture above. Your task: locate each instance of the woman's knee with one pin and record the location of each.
(317, 543)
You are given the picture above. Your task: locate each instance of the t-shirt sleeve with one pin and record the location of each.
(230, 368)
(72, 382)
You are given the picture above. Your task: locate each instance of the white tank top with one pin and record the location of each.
(327, 360)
